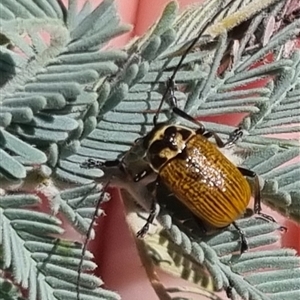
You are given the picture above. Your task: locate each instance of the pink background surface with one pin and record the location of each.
(114, 244)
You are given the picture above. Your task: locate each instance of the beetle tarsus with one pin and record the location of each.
(153, 214)
(266, 217)
(232, 139)
(141, 233)
(234, 136)
(244, 243)
(257, 208)
(98, 164)
(91, 164)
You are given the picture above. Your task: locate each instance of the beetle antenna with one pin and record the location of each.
(84, 248)
(171, 80)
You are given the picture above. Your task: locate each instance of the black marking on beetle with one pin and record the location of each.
(183, 154)
(150, 136)
(158, 161)
(184, 133)
(157, 146)
(170, 131)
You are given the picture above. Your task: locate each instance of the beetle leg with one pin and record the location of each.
(93, 163)
(233, 137)
(155, 208)
(201, 227)
(218, 140)
(187, 117)
(244, 242)
(229, 291)
(257, 201)
(180, 112)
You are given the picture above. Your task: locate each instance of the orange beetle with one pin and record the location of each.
(192, 167)
(195, 171)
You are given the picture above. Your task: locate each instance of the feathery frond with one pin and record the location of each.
(63, 100)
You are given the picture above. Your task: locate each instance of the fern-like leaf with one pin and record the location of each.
(48, 104)
(63, 101)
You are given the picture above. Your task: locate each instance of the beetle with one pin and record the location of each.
(192, 167)
(195, 171)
